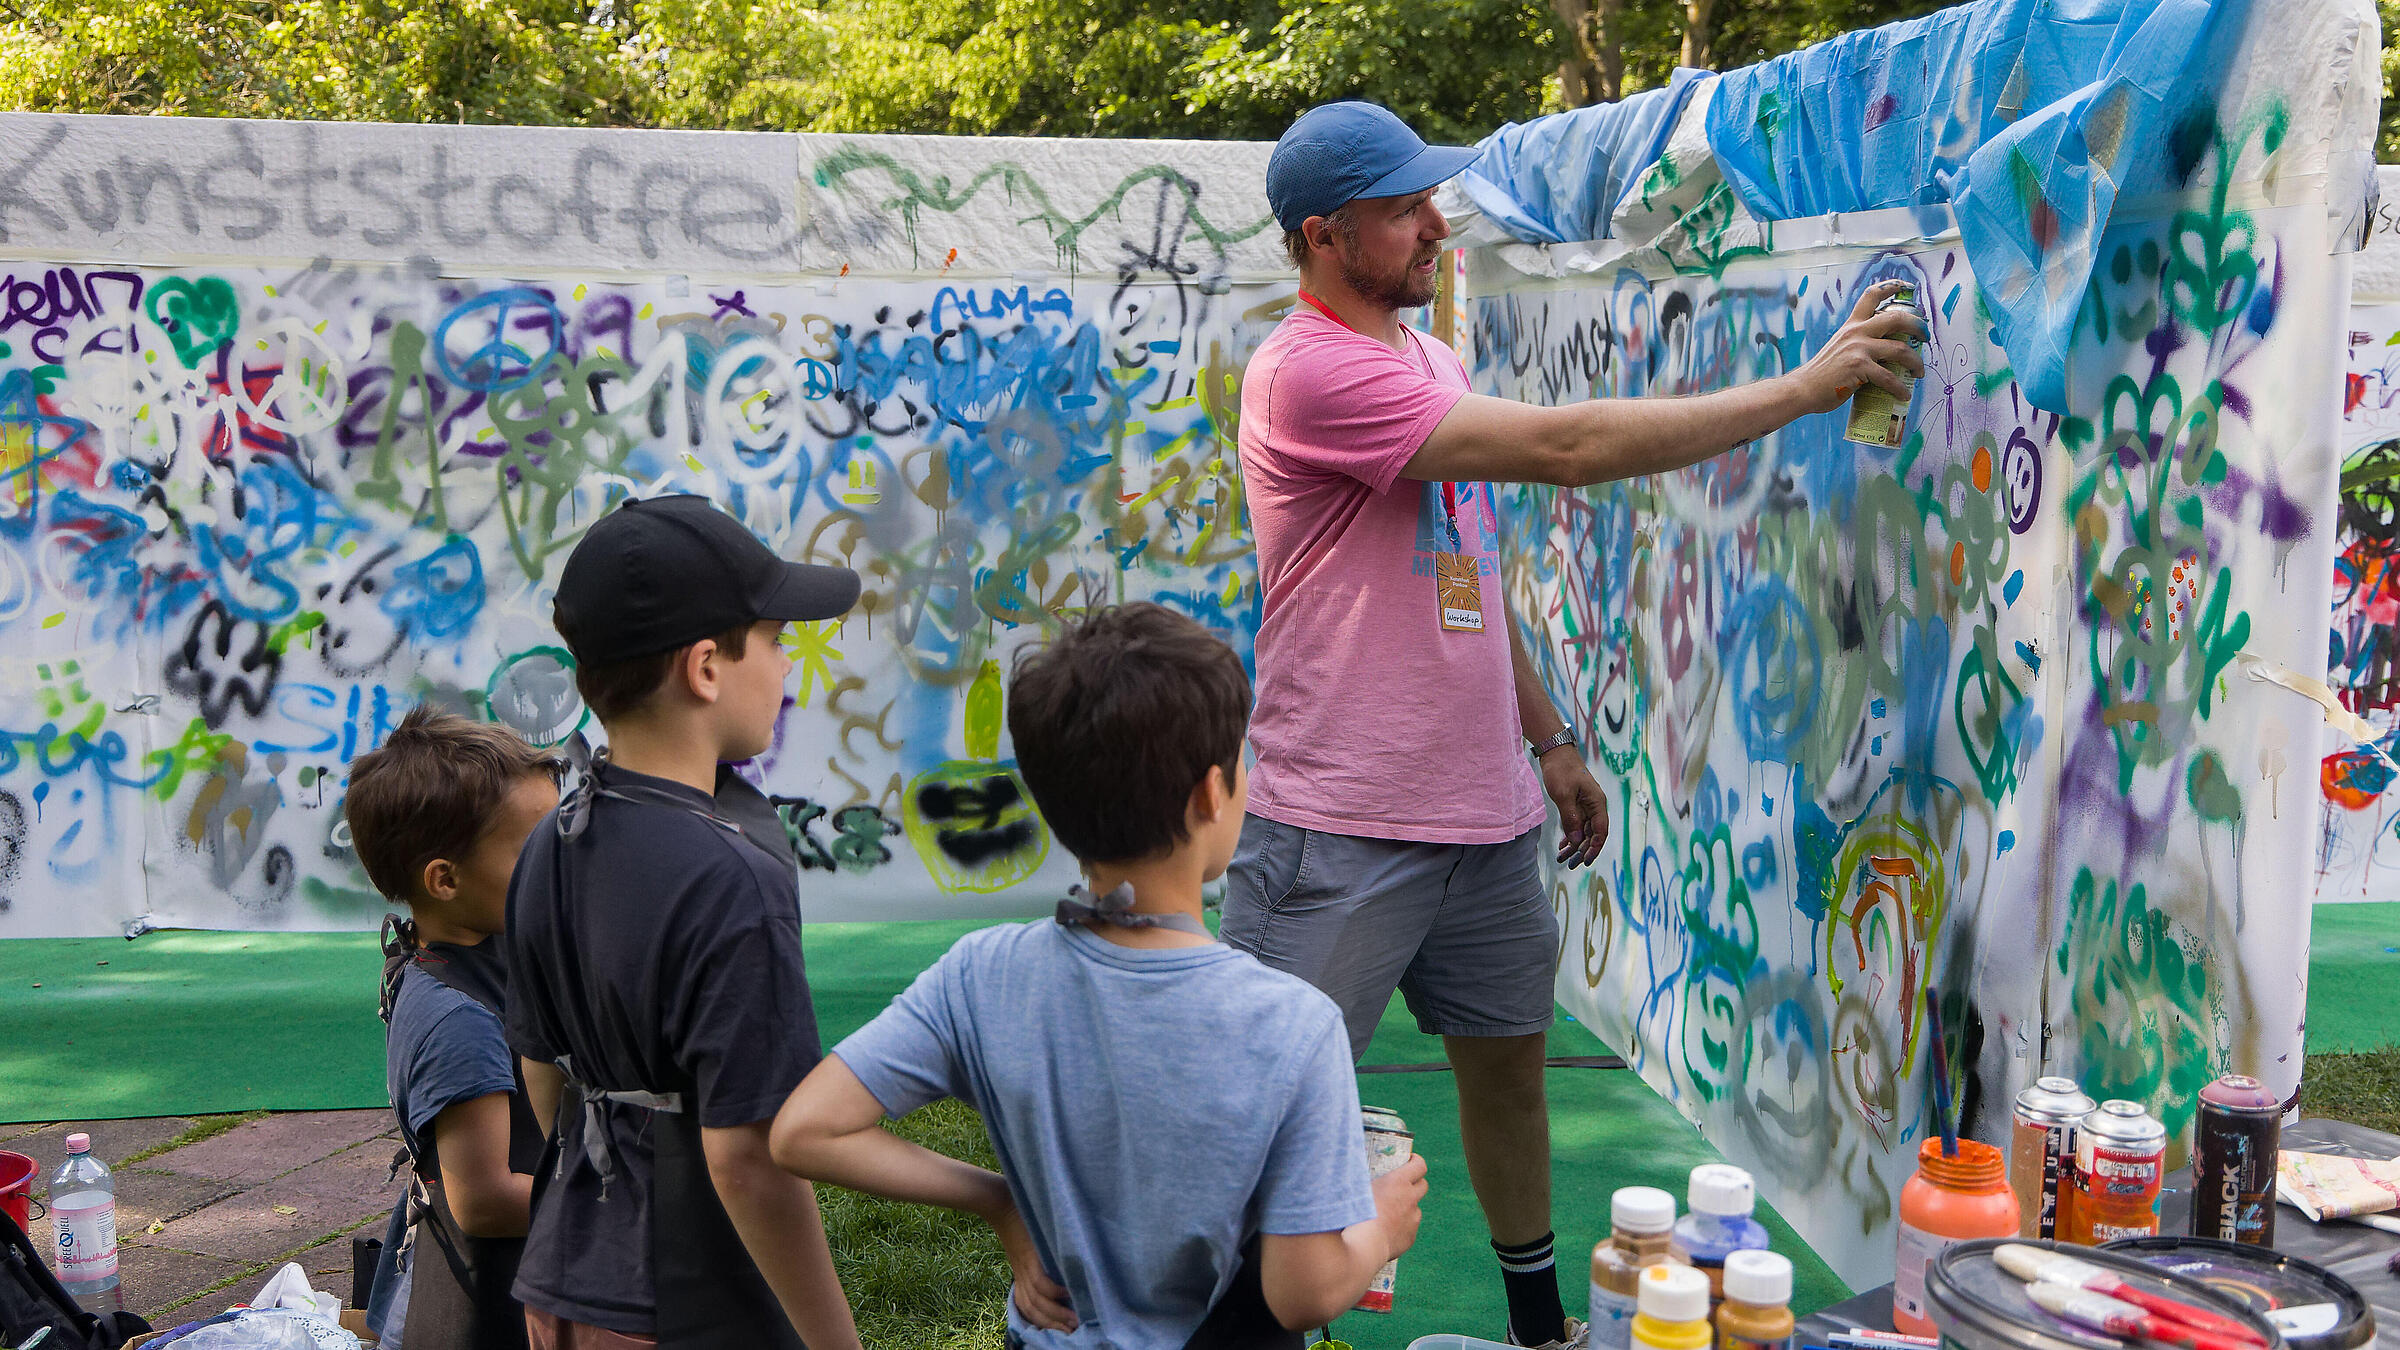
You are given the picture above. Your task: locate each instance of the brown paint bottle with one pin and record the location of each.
(1639, 1220)
(1757, 1311)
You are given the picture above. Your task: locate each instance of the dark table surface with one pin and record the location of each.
(2353, 1251)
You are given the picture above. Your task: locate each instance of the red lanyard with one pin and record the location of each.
(1449, 490)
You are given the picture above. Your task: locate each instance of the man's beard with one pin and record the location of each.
(1408, 290)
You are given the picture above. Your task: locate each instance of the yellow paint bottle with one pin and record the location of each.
(1672, 1314)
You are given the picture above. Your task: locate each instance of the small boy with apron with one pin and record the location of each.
(658, 997)
(1178, 1127)
(437, 815)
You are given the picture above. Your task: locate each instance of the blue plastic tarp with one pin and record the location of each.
(1557, 179)
(2031, 117)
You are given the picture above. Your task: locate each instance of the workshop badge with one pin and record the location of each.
(1458, 588)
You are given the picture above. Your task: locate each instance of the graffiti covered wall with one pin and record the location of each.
(2006, 712)
(2358, 846)
(298, 423)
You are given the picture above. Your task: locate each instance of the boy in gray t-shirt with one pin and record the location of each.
(1177, 1125)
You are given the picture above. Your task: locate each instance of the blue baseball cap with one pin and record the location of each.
(1339, 152)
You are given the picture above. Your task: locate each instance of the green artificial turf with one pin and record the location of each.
(2354, 956)
(186, 1023)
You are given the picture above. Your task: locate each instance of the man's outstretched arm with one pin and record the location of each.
(1500, 440)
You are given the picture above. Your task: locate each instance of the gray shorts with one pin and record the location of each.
(1464, 931)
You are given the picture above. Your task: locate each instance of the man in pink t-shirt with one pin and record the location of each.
(1393, 838)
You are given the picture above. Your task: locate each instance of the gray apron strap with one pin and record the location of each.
(600, 1147)
(708, 1294)
(1116, 910)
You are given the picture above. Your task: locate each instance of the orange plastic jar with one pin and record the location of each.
(1948, 1200)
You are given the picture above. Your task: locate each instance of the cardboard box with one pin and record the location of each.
(353, 1321)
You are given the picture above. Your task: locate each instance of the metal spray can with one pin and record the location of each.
(1877, 418)
(2120, 1160)
(1389, 1144)
(2042, 1152)
(2233, 1161)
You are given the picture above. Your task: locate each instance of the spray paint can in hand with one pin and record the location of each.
(2233, 1161)
(1389, 1144)
(1876, 417)
(2120, 1156)
(2042, 1152)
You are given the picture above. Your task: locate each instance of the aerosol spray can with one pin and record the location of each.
(2120, 1159)
(1389, 1144)
(2041, 1152)
(2233, 1161)
(1876, 417)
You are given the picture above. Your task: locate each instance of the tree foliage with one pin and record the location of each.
(1456, 69)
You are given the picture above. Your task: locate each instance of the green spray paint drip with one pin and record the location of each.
(917, 192)
(983, 713)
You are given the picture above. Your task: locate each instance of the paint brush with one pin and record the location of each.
(2058, 1270)
(2119, 1318)
(1940, 1053)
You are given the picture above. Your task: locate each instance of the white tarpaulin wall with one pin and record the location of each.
(2017, 711)
(298, 422)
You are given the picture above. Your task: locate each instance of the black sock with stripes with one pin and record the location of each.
(1530, 1274)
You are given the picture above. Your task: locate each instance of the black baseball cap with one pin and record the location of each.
(656, 574)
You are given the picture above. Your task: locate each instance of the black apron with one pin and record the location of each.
(463, 1298)
(710, 1295)
(1241, 1320)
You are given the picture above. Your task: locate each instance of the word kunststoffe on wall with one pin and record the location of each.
(249, 514)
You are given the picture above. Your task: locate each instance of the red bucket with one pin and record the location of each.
(16, 1186)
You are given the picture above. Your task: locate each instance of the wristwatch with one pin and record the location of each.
(1563, 736)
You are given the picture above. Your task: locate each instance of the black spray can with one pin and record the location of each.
(2233, 1162)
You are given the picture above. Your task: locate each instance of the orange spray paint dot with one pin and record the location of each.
(1983, 469)
(1958, 564)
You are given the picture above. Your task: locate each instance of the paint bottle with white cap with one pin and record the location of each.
(1674, 1309)
(1719, 1225)
(1757, 1311)
(1638, 1220)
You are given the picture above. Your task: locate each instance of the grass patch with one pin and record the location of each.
(206, 1127)
(2362, 1089)
(918, 1277)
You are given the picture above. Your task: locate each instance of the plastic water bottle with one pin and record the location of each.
(83, 1216)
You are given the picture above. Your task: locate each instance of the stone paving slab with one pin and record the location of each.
(112, 1140)
(217, 1202)
(160, 1278)
(365, 1169)
(145, 1197)
(269, 1147)
(266, 1222)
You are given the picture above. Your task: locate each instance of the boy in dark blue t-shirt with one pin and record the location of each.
(437, 817)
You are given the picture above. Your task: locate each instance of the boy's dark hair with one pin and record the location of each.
(618, 688)
(430, 791)
(1118, 719)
